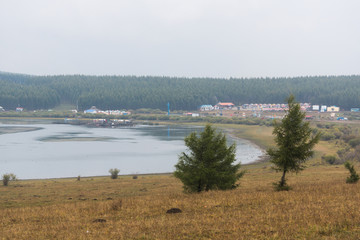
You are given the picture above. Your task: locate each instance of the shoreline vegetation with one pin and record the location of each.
(320, 206)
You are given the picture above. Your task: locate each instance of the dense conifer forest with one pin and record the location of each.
(132, 92)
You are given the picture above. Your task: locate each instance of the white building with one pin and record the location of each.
(206, 108)
(315, 107)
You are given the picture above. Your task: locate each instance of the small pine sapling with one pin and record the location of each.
(354, 177)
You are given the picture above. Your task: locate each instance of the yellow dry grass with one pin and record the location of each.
(320, 206)
(260, 135)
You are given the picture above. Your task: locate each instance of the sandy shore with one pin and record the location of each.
(261, 158)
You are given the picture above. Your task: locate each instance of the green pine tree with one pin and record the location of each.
(208, 163)
(354, 177)
(295, 143)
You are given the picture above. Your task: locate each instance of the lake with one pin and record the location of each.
(40, 149)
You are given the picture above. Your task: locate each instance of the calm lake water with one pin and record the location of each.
(44, 150)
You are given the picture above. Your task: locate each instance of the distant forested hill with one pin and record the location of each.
(130, 92)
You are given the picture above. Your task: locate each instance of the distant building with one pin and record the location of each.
(315, 107)
(225, 105)
(333, 109)
(264, 107)
(19, 109)
(323, 108)
(2, 109)
(342, 119)
(355, 109)
(206, 108)
(189, 114)
(92, 110)
(305, 106)
(115, 112)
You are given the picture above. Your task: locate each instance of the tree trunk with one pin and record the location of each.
(199, 186)
(283, 181)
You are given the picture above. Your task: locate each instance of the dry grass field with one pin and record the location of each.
(320, 206)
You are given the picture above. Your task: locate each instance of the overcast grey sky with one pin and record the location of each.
(192, 38)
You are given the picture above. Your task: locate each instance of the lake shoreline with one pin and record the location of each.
(261, 158)
(63, 151)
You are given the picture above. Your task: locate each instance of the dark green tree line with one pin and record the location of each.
(130, 92)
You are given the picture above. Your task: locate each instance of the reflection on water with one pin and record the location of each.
(55, 150)
(167, 133)
(15, 129)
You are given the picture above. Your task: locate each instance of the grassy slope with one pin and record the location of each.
(262, 136)
(321, 205)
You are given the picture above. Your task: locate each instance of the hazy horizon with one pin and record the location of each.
(216, 39)
(188, 77)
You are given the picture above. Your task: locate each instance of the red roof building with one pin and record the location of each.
(224, 105)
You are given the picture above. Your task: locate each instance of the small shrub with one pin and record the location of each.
(354, 142)
(337, 134)
(7, 178)
(347, 138)
(326, 136)
(135, 177)
(116, 205)
(331, 159)
(164, 117)
(352, 155)
(354, 177)
(278, 187)
(78, 178)
(343, 151)
(346, 130)
(114, 173)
